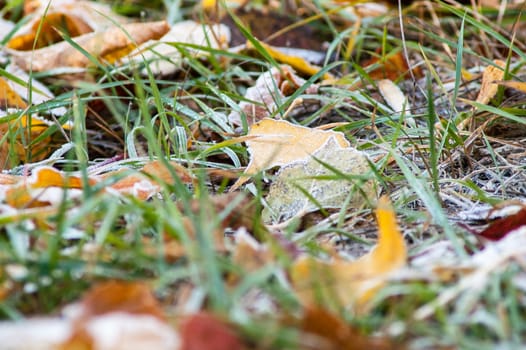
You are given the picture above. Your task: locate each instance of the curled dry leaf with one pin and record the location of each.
(391, 67)
(165, 58)
(50, 19)
(517, 85)
(31, 126)
(296, 62)
(46, 185)
(278, 142)
(333, 333)
(352, 284)
(287, 197)
(109, 45)
(268, 93)
(491, 74)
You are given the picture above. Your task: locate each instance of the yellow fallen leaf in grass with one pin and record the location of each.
(352, 284)
(109, 45)
(278, 142)
(22, 127)
(517, 85)
(296, 62)
(488, 88)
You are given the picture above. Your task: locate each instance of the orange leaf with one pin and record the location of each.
(334, 333)
(48, 29)
(130, 297)
(9, 98)
(391, 67)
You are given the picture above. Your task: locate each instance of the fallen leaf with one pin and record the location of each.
(109, 45)
(120, 315)
(148, 182)
(394, 96)
(297, 63)
(9, 98)
(164, 58)
(391, 67)
(287, 197)
(501, 227)
(268, 93)
(206, 331)
(33, 90)
(488, 88)
(46, 185)
(278, 142)
(333, 333)
(117, 296)
(49, 29)
(517, 85)
(352, 284)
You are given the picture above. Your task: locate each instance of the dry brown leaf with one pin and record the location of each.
(278, 142)
(333, 333)
(268, 93)
(392, 67)
(352, 284)
(49, 19)
(108, 46)
(488, 88)
(205, 331)
(164, 58)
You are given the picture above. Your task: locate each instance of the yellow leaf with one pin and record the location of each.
(488, 88)
(48, 29)
(352, 284)
(9, 98)
(517, 85)
(278, 142)
(298, 63)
